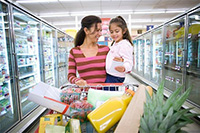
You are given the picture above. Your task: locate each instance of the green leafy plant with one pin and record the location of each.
(162, 116)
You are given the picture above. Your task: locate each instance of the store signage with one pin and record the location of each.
(105, 26)
(149, 27)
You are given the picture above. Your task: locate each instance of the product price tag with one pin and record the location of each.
(189, 35)
(177, 81)
(188, 64)
(165, 62)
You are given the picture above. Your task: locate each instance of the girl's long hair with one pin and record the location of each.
(122, 24)
(87, 22)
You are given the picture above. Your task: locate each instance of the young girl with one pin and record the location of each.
(121, 47)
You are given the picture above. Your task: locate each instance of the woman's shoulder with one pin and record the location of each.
(74, 49)
(103, 47)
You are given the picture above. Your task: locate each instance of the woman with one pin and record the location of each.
(87, 57)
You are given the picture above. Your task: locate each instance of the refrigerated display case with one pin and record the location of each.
(135, 57)
(147, 56)
(26, 31)
(193, 56)
(173, 54)
(9, 114)
(48, 48)
(62, 58)
(140, 43)
(157, 55)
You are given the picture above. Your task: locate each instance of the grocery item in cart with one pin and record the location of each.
(110, 112)
(48, 96)
(96, 97)
(80, 109)
(70, 95)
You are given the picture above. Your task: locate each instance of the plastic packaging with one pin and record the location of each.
(110, 112)
(80, 109)
(70, 95)
(100, 96)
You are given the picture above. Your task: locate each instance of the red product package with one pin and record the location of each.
(80, 109)
(70, 95)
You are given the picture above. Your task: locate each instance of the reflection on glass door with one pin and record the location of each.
(147, 56)
(48, 54)
(157, 56)
(140, 43)
(135, 65)
(173, 54)
(193, 57)
(27, 50)
(62, 59)
(9, 114)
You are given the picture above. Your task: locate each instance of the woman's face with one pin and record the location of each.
(95, 32)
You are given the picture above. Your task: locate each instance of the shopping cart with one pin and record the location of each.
(86, 127)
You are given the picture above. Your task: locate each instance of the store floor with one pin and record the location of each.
(190, 128)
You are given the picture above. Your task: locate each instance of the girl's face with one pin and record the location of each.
(116, 32)
(95, 32)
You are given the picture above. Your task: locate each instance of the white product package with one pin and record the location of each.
(48, 96)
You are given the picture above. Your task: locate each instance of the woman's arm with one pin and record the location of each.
(72, 69)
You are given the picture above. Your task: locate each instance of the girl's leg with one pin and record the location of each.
(113, 79)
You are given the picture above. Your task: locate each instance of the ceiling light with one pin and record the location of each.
(148, 12)
(174, 11)
(35, 1)
(55, 15)
(77, 0)
(60, 24)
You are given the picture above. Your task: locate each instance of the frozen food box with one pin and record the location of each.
(48, 96)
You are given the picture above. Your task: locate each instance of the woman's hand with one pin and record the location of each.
(120, 68)
(81, 82)
(119, 59)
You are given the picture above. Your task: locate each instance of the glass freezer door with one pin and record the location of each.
(173, 54)
(48, 45)
(147, 56)
(157, 56)
(135, 63)
(140, 42)
(26, 31)
(193, 57)
(9, 114)
(62, 59)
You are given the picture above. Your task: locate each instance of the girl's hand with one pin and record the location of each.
(119, 59)
(81, 82)
(120, 68)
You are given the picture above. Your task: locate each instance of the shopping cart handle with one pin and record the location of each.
(98, 84)
(105, 84)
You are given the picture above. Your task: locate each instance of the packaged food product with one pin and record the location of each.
(80, 109)
(95, 97)
(110, 112)
(69, 95)
(44, 121)
(73, 126)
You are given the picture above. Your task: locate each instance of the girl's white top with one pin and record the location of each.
(122, 49)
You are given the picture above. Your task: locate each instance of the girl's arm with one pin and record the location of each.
(126, 52)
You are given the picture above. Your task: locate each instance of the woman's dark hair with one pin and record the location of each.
(122, 24)
(87, 22)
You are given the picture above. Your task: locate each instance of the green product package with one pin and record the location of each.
(96, 97)
(54, 129)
